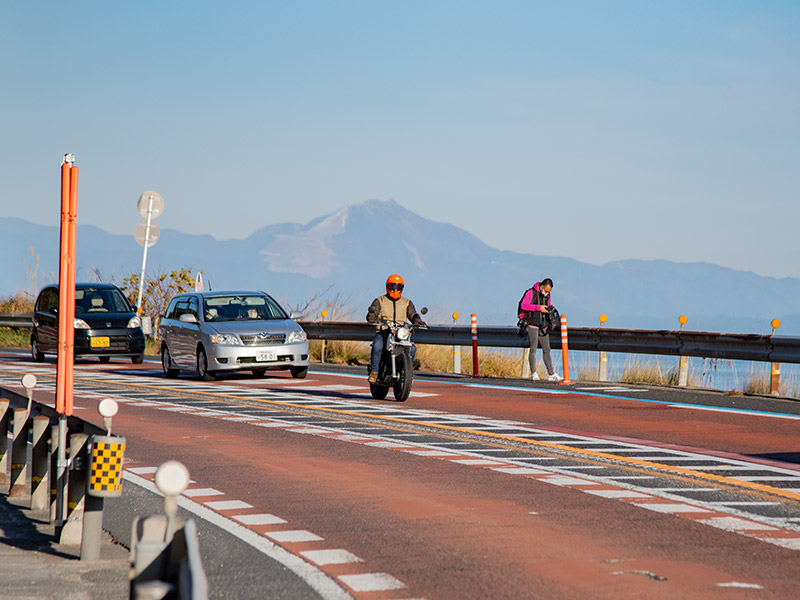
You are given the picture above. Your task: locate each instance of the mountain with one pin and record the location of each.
(447, 269)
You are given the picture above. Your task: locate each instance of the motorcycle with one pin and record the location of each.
(396, 369)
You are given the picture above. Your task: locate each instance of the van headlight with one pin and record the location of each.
(226, 338)
(80, 324)
(295, 337)
(135, 322)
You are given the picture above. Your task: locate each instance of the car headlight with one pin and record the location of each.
(135, 322)
(296, 336)
(80, 323)
(226, 338)
(403, 333)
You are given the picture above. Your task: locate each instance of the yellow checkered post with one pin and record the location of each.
(105, 472)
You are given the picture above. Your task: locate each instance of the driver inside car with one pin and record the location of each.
(391, 307)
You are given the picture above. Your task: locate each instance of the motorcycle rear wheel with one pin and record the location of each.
(405, 374)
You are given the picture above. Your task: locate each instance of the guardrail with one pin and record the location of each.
(737, 346)
(16, 320)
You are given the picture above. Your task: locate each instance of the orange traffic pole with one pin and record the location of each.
(70, 316)
(565, 349)
(62, 298)
(474, 318)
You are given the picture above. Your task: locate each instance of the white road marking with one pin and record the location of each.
(371, 582)
(228, 505)
(737, 584)
(260, 519)
(324, 585)
(192, 493)
(618, 494)
(672, 508)
(735, 524)
(330, 557)
(299, 535)
(565, 480)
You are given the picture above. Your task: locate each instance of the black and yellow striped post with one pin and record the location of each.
(106, 458)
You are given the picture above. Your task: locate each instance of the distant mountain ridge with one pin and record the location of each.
(446, 268)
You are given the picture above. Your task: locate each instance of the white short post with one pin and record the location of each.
(456, 351)
(526, 363)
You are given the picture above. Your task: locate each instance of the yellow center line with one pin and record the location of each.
(486, 434)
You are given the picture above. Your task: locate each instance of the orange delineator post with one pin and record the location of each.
(66, 289)
(474, 319)
(565, 349)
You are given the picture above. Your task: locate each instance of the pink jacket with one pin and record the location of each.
(527, 300)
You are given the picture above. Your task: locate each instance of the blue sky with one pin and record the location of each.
(595, 130)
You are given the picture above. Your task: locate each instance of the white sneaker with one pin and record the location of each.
(535, 376)
(554, 377)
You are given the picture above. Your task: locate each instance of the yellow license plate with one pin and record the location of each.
(100, 342)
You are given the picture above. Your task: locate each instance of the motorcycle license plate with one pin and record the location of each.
(100, 342)
(265, 356)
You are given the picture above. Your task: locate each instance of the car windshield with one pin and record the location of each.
(241, 308)
(100, 300)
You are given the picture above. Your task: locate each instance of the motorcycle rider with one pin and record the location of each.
(394, 308)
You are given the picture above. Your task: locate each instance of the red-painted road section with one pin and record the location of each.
(403, 524)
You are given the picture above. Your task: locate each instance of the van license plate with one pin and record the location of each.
(265, 356)
(100, 342)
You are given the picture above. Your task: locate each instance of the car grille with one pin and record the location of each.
(267, 340)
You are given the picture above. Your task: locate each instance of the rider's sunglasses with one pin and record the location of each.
(394, 287)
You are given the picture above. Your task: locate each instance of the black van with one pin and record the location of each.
(106, 325)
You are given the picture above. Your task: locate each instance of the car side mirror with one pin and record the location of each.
(187, 318)
(424, 310)
(295, 315)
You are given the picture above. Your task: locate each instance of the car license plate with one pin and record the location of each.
(265, 356)
(100, 342)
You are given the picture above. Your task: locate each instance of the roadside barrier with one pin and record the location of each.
(565, 350)
(734, 346)
(93, 472)
(474, 320)
(456, 351)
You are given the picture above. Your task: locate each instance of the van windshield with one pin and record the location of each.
(241, 308)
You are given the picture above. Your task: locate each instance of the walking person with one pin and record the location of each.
(533, 308)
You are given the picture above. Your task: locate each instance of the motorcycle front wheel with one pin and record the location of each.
(405, 374)
(378, 391)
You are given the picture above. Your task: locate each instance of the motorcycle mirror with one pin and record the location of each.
(424, 310)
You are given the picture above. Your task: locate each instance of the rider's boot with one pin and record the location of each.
(373, 376)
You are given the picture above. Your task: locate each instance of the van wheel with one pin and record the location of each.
(36, 354)
(104, 359)
(202, 367)
(260, 372)
(137, 360)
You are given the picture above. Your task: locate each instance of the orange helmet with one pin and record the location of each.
(394, 286)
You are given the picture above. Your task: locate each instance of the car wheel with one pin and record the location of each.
(260, 372)
(299, 372)
(36, 354)
(104, 359)
(202, 367)
(137, 360)
(170, 372)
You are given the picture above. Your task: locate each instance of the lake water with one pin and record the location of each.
(718, 374)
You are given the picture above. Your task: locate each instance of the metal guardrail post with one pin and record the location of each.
(70, 533)
(19, 453)
(165, 557)
(40, 482)
(54, 473)
(4, 422)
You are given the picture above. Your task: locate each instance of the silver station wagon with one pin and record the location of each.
(214, 332)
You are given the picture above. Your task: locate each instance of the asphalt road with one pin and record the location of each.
(309, 488)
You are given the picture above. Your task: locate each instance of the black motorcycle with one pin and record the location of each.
(396, 369)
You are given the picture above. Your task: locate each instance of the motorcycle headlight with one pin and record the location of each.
(403, 333)
(295, 337)
(226, 338)
(135, 322)
(79, 323)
